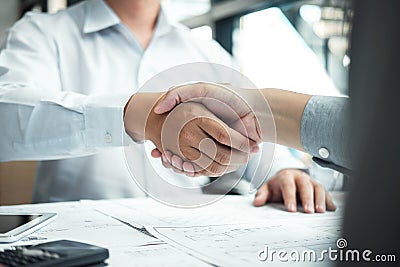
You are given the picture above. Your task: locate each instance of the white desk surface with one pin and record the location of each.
(227, 233)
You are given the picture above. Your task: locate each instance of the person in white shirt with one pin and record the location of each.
(65, 79)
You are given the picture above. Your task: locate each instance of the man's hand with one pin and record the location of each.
(267, 115)
(189, 131)
(245, 111)
(238, 108)
(289, 185)
(199, 137)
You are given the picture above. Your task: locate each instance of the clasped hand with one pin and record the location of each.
(203, 136)
(205, 129)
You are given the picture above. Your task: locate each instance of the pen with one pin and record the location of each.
(133, 225)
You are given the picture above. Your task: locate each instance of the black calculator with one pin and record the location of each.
(64, 253)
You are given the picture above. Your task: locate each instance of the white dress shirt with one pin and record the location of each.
(64, 80)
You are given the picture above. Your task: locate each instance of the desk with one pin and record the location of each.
(227, 233)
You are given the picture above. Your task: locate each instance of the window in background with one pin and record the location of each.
(299, 47)
(273, 54)
(203, 32)
(55, 5)
(183, 9)
(326, 30)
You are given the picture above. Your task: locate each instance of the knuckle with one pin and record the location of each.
(223, 157)
(215, 169)
(319, 186)
(190, 154)
(286, 182)
(244, 145)
(192, 110)
(222, 136)
(286, 174)
(185, 135)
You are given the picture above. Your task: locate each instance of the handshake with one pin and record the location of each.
(212, 129)
(201, 128)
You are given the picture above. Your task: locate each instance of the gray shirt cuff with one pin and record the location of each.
(324, 131)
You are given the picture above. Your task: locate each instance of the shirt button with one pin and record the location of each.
(108, 138)
(323, 152)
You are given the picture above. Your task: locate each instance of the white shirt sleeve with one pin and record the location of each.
(38, 119)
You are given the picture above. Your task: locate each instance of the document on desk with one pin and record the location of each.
(80, 222)
(232, 232)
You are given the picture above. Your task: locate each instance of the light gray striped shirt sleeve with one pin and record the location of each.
(324, 130)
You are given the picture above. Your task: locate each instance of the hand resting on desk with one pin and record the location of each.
(289, 186)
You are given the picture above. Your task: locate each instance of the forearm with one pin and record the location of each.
(317, 125)
(287, 111)
(39, 124)
(141, 123)
(41, 121)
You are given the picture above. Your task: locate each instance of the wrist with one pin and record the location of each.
(261, 112)
(153, 127)
(287, 110)
(140, 122)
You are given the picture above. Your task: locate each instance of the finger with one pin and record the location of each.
(179, 95)
(165, 163)
(261, 196)
(170, 100)
(249, 127)
(306, 192)
(177, 170)
(288, 191)
(329, 202)
(222, 154)
(168, 155)
(216, 170)
(179, 166)
(188, 167)
(202, 163)
(226, 135)
(201, 141)
(319, 197)
(189, 174)
(155, 153)
(207, 167)
(177, 162)
(197, 175)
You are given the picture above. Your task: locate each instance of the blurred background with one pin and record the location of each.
(299, 45)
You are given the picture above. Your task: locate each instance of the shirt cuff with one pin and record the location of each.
(324, 129)
(104, 123)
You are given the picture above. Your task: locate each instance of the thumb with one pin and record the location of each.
(168, 102)
(182, 93)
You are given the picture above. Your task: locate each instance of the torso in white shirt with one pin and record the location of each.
(104, 61)
(86, 50)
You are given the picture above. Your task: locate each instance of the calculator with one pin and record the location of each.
(64, 253)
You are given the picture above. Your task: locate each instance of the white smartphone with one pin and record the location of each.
(16, 225)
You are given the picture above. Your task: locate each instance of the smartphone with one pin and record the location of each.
(14, 226)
